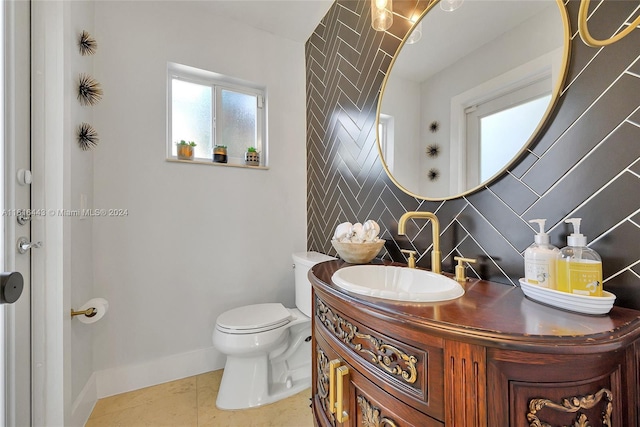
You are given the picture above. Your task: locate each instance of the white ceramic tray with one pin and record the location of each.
(566, 301)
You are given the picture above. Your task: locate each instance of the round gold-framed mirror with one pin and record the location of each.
(468, 91)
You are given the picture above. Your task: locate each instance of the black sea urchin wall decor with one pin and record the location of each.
(433, 150)
(87, 44)
(433, 174)
(89, 90)
(434, 126)
(87, 136)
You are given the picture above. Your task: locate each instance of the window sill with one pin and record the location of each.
(212, 163)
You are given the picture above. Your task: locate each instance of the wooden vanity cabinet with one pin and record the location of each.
(491, 358)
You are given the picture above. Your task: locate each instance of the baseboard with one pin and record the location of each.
(133, 377)
(84, 403)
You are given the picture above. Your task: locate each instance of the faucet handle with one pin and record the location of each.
(412, 257)
(460, 276)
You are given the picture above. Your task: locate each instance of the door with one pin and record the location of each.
(15, 333)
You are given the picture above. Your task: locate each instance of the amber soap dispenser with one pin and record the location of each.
(579, 268)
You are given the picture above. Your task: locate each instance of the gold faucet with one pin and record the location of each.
(435, 231)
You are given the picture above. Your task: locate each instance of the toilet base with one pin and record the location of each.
(248, 382)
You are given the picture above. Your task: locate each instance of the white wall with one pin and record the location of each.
(198, 239)
(78, 180)
(62, 270)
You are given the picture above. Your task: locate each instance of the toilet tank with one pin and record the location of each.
(302, 262)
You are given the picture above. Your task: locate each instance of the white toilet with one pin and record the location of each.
(268, 346)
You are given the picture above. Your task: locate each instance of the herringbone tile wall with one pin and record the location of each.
(586, 163)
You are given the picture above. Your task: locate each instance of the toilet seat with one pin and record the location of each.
(251, 319)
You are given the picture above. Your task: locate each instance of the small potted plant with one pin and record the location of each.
(252, 157)
(185, 149)
(220, 154)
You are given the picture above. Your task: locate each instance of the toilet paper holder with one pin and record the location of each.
(89, 312)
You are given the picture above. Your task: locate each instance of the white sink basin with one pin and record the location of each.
(397, 283)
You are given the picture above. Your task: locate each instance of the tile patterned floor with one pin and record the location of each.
(191, 402)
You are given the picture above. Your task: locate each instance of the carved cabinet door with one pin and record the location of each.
(540, 390)
(342, 396)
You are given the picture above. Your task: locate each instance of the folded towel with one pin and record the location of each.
(371, 230)
(357, 233)
(343, 232)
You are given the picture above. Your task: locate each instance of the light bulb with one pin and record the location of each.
(381, 14)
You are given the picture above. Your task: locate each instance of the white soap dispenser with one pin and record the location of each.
(579, 267)
(540, 259)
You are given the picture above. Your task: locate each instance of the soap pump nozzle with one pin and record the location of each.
(541, 238)
(576, 239)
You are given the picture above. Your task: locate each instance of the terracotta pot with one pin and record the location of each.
(185, 152)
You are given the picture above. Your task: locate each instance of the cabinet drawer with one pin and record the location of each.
(372, 407)
(410, 374)
(366, 404)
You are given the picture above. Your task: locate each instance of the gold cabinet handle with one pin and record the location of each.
(342, 383)
(333, 366)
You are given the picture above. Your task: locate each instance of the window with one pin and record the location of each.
(211, 109)
(385, 135)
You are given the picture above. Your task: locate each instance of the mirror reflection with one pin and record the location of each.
(468, 90)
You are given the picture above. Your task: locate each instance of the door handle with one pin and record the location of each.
(342, 382)
(338, 380)
(24, 245)
(333, 366)
(11, 285)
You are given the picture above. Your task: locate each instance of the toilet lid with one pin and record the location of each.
(256, 316)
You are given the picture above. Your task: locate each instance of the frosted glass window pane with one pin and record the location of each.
(236, 122)
(191, 116)
(504, 133)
